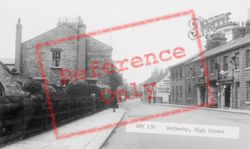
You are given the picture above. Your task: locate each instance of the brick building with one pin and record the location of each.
(72, 55)
(228, 65)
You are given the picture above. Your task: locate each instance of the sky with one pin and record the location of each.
(40, 16)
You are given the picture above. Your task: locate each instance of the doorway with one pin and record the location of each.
(202, 94)
(227, 95)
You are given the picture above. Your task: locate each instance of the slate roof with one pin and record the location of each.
(7, 61)
(5, 67)
(187, 61)
(70, 26)
(156, 78)
(226, 47)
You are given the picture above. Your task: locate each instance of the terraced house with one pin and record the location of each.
(228, 65)
(161, 90)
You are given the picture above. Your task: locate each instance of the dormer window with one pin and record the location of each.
(56, 57)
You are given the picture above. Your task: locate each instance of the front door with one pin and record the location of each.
(202, 94)
(227, 95)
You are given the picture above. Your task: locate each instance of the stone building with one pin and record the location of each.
(72, 55)
(227, 80)
(8, 85)
(161, 91)
(177, 84)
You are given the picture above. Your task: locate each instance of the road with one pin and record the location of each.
(121, 139)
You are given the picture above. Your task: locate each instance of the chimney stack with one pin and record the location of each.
(216, 40)
(239, 31)
(81, 49)
(18, 46)
(248, 23)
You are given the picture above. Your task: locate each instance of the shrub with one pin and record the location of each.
(81, 89)
(52, 92)
(9, 103)
(33, 87)
(59, 89)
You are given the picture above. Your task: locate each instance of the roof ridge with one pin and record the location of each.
(48, 32)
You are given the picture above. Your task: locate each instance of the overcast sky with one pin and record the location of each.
(40, 16)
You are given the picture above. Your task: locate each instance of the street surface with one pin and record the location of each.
(121, 139)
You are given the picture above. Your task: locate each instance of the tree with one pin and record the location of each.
(115, 80)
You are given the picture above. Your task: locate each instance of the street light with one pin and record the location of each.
(233, 62)
(203, 88)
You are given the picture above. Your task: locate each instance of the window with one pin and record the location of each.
(248, 58)
(194, 91)
(189, 90)
(176, 73)
(225, 63)
(173, 91)
(237, 60)
(248, 90)
(176, 90)
(201, 70)
(180, 72)
(212, 64)
(193, 72)
(180, 91)
(172, 74)
(56, 58)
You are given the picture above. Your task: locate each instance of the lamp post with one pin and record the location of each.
(204, 87)
(233, 63)
(217, 66)
(223, 76)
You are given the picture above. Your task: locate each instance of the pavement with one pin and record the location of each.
(241, 111)
(93, 140)
(121, 138)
